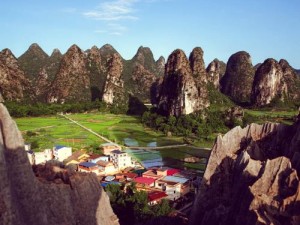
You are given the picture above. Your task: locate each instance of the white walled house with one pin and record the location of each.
(61, 153)
(120, 159)
(42, 157)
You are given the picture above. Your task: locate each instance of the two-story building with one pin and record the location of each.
(61, 153)
(120, 159)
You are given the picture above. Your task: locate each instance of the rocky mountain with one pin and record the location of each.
(238, 78)
(114, 84)
(33, 60)
(72, 82)
(141, 72)
(252, 177)
(96, 72)
(50, 195)
(179, 89)
(292, 81)
(268, 83)
(215, 71)
(13, 83)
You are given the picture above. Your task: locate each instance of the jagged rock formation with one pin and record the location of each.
(114, 85)
(179, 91)
(238, 78)
(72, 82)
(55, 197)
(252, 177)
(268, 83)
(215, 71)
(12, 79)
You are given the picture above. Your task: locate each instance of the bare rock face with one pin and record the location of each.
(292, 81)
(13, 82)
(113, 90)
(54, 197)
(269, 83)
(160, 65)
(252, 177)
(199, 73)
(72, 82)
(215, 71)
(179, 92)
(238, 78)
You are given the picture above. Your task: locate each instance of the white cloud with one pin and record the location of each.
(113, 11)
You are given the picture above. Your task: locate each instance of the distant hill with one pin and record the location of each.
(180, 86)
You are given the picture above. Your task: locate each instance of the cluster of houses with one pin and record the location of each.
(117, 167)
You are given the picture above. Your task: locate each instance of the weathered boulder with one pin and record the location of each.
(179, 92)
(269, 84)
(13, 82)
(54, 196)
(238, 78)
(72, 82)
(252, 177)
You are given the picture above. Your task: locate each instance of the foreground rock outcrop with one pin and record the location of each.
(54, 197)
(252, 177)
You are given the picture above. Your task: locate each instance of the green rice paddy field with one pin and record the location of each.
(48, 131)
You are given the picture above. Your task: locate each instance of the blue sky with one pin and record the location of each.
(264, 28)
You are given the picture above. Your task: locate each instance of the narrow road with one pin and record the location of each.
(88, 129)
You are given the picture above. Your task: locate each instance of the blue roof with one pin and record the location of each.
(87, 164)
(104, 184)
(175, 179)
(57, 147)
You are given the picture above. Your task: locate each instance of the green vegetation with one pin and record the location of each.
(132, 207)
(51, 130)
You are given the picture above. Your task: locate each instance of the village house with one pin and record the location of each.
(77, 157)
(27, 146)
(88, 167)
(174, 187)
(61, 153)
(126, 176)
(108, 147)
(42, 157)
(106, 167)
(152, 173)
(154, 197)
(120, 159)
(144, 183)
(96, 157)
(167, 171)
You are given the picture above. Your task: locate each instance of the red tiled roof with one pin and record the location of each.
(155, 195)
(144, 180)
